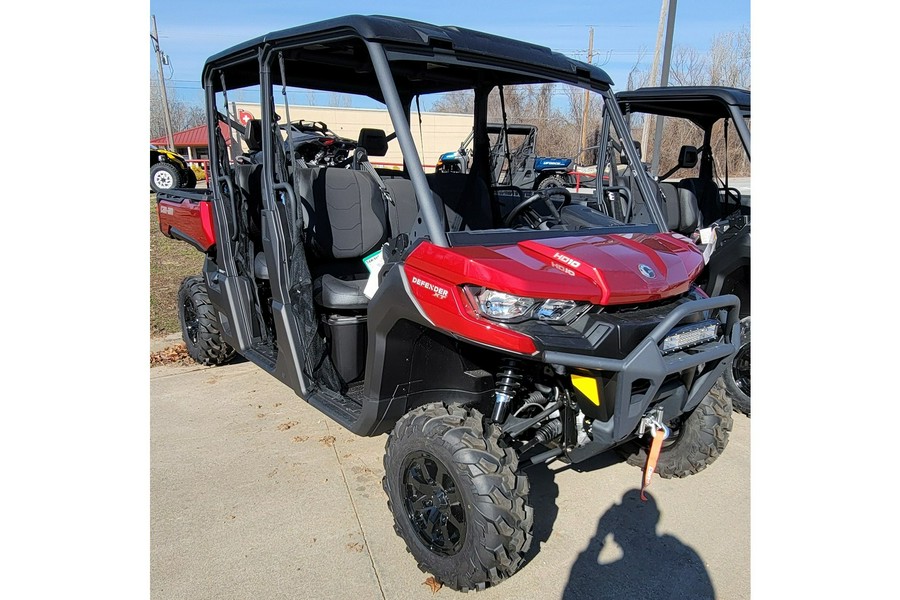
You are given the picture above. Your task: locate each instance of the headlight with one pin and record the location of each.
(690, 335)
(555, 310)
(500, 306)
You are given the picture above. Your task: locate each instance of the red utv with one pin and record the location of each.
(484, 335)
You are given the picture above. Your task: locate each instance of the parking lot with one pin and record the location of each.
(255, 494)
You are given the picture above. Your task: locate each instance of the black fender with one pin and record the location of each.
(409, 363)
(728, 265)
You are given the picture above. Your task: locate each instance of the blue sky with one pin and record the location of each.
(190, 32)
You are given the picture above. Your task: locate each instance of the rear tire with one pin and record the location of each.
(164, 176)
(200, 328)
(737, 376)
(696, 442)
(455, 496)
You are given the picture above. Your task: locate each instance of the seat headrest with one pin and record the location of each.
(253, 135)
(374, 141)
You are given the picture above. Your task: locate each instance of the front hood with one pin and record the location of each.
(601, 269)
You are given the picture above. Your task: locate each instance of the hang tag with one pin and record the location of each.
(373, 263)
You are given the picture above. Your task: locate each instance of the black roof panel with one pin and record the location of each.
(695, 102)
(414, 35)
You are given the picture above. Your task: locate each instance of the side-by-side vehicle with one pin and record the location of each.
(482, 338)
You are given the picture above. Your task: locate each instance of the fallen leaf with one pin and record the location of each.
(176, 354)
(433, 583)
(328, 440)
(277, 404)
(286, 425)
(355, 546)
(301, 438)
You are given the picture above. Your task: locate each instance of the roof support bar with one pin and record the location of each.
(427, 207)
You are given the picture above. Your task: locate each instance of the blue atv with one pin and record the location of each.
(513, 159)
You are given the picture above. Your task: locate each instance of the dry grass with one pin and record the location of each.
(170, 262)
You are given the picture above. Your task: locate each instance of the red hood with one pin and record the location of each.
(601, 269)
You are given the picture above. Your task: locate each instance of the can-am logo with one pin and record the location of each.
(565, 259)
(439, 292)
(646, 271)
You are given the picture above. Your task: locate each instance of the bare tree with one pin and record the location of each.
(462, 101)
(184, 115)
(726, 63)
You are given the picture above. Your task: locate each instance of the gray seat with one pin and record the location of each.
(466, 200)
(706, 194)
(680, 208)
(346, 222)
(331, 292)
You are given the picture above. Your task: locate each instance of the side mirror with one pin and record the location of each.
(688, 157)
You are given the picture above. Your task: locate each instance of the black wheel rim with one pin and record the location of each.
(433, 503)
(740, 368)
(191, 320)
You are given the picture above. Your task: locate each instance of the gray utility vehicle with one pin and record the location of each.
(514, 162)
(708, 115)
(482, 340)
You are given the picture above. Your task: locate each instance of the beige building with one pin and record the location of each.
(439, 132)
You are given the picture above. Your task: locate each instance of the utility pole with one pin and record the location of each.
(645, 134)
(587, 100)
(664, 81)
(162, 85)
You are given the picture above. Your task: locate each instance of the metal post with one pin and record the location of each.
(587, 100)
(664, 81)
(645, 134)
(162, 86)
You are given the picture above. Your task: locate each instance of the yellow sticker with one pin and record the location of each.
(588, 387)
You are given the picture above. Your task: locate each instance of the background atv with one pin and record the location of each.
(703, 196)
(514, 161)
(169, 170)
(482, 338)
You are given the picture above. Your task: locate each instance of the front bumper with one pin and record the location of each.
(639, 377)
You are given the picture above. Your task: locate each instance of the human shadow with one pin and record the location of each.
(627, 558)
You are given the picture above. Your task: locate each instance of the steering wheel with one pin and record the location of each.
(543, 195)
(735, 195)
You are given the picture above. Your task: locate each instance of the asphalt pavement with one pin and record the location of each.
(257, 495)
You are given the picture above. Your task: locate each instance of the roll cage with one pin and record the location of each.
(392, 61)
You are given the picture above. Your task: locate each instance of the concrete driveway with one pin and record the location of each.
(257, 495)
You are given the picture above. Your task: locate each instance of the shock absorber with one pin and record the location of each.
(509, 380)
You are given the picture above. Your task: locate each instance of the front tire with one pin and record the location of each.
(455, 496)
(696, 441)
(737, 376)
(164, 176)
(200, 328)
(553, 181)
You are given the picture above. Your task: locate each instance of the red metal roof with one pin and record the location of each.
(193, 137)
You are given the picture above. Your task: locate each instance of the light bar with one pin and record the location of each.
(690, 335)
